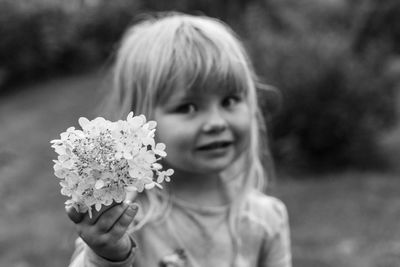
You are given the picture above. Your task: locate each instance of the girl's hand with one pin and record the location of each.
(106, 232)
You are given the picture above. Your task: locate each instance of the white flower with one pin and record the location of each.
(98, 164)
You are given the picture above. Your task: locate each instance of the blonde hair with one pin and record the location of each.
(183, 52)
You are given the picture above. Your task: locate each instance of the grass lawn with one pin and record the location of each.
(347, 220)
(342, 220)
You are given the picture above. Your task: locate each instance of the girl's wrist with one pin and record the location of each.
(122, 254)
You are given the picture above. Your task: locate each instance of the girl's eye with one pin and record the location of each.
(231, 101)
(185, 108)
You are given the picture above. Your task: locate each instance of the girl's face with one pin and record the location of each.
(204, 132)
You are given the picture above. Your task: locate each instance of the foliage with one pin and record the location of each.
(378, 27)
(335, 104)
(43, 40)
(327, 58)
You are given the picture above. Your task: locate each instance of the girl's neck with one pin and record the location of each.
(198, 189)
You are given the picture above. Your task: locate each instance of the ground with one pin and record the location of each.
(347, 219)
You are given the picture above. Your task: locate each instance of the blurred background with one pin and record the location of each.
(333, 128)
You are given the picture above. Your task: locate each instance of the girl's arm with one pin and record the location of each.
(276, 250)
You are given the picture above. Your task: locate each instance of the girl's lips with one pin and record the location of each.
(214, 145)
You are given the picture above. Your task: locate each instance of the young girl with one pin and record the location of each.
(192, 76)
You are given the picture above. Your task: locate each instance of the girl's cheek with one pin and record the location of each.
(246, 136)
(244, 130)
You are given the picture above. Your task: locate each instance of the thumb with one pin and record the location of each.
(74, 215)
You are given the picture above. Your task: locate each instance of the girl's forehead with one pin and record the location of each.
(179, 95)
(208, 91)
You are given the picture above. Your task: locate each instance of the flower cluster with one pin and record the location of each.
(99, 163)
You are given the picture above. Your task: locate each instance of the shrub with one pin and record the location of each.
(51, 39)
(334, 105)
(335, 102)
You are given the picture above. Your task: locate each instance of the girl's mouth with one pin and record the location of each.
(214, 145)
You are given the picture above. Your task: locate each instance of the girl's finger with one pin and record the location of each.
(95, 215)
(92, 229)
(130, 213)
(111, 216)
(123, 222)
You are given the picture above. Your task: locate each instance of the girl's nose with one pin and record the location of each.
(215, 122)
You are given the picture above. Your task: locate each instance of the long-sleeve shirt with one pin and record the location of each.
(193, 236)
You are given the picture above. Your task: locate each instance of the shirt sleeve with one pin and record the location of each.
(83, 256)
(276, 248)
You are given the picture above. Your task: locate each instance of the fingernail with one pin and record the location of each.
(131, 211)
(134, 206)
